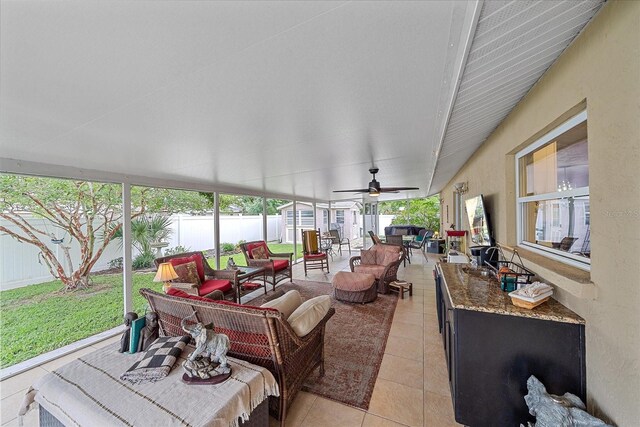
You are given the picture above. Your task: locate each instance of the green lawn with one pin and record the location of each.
(39, 318)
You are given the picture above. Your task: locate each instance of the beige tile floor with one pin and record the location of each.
(412, 388)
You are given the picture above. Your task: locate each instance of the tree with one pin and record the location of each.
(80, 210)
(420, 212)
(89, 213)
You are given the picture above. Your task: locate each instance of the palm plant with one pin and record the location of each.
(145, 231)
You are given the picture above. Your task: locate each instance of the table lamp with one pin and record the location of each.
(165, 274)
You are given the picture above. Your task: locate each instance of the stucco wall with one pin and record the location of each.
(601, 68)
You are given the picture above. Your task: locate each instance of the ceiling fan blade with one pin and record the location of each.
(359, 190)
(396, 189)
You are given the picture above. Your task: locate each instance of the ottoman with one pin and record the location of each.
(354, 287)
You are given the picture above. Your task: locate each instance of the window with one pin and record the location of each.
(340, 216)
(553, 194)
(354, 215)
(290, 217)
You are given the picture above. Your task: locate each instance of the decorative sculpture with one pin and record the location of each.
(557, 411)
(209, 359)
(150, 331)
(124, 340)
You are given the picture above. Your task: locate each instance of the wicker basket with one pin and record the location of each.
(526, 304)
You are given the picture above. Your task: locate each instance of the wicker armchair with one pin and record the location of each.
(384, 273)
(259, 336)
(278, 265)
(209, 274)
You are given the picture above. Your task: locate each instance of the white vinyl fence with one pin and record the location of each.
(21, 266)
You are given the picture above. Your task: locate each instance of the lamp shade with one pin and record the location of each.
(165, 273)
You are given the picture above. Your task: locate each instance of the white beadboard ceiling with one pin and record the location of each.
(290, 99)
(515, 42)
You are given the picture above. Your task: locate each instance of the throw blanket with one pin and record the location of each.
(89, 392)
(157, 361)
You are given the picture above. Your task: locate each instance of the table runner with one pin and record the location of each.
(88, 391)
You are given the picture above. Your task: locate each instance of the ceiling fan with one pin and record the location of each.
(374, 188)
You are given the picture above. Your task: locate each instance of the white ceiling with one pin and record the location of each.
(284, 98)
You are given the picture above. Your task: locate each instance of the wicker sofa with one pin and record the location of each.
(384, 266)
(260, 336)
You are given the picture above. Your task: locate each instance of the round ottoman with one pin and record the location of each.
(354, 287)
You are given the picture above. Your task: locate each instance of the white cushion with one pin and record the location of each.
(309, 314)
(286, 304)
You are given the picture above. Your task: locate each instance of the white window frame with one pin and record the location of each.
(564, 257)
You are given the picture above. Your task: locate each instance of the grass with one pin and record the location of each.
(39, 318)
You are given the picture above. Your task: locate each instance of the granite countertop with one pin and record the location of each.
(480, 293)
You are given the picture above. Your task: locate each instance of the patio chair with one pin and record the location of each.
(396, 239)
(313, 257)
(339, 240)
(278, 265)
(419, 242)
(210, 280)
(374, 237)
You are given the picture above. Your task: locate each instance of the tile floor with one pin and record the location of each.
(412, 388)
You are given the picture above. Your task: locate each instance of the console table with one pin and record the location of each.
(492, 347)
(89, 391)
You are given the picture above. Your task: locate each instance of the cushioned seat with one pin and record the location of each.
(354, 287)
(280, 264)
(211, 285)
(376, 270)
(381, 261)
(277, 265)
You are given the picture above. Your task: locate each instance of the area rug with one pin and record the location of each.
(354, 345)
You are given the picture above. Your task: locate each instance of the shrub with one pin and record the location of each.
(177, 250)
(143, 260)
(227, 247)
(115, 263)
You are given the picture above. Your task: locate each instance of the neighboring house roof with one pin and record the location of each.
(334, 206)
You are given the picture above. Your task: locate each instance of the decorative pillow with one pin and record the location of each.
(368, 257)
(188, 273)
(259, 253)
(157, 361)
(309, 314)
(286, 304)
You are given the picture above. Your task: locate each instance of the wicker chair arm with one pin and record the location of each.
(281, 255)
(231, 275)
(190, 288)
(356, 260)
(267, 263)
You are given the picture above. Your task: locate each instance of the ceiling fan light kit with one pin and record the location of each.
(374, 189)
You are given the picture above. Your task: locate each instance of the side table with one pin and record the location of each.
(401, 286)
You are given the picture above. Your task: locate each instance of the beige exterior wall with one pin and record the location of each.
(601, 68)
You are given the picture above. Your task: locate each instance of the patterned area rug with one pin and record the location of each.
(354, 345)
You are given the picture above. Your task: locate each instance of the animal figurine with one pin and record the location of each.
(208, 343)
(124, 340)
(557, 411)
(150, 331)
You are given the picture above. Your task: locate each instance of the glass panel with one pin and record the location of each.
(560, 165)
(560, 224)
(340, 216)
(61, 277)
(243, 223)
(168, 222)
(280, 229)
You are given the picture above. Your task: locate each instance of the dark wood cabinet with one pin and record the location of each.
(491, 355)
